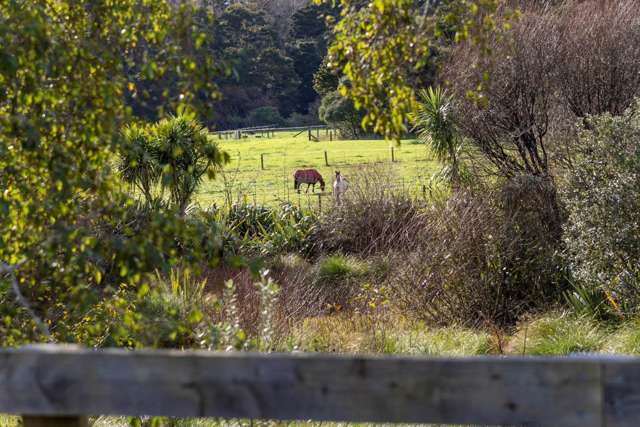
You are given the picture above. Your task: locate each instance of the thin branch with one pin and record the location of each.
(10, 270)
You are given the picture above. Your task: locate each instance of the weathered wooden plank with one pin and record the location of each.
(55, 421)
(621, 391)
(490, 391)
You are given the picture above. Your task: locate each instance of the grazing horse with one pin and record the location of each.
(308, 176)
(340, 185)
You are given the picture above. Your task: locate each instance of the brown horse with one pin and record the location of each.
(308, 176)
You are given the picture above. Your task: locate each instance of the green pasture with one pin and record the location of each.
(243, 179)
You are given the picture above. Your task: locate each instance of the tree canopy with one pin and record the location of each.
(65, 77)
(386, 48)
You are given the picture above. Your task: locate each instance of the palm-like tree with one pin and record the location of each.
(137, 164)
(186, 153)
(436, 127)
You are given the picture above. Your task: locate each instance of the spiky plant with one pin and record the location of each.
(137, 164)
(186, 152)
(434, 122)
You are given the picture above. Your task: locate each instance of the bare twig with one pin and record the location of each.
(9, 269)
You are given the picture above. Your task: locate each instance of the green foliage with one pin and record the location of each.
(271, 231)
(185, 153)
(175, 155)
(603, 201)
(325, 80)
(63, 79)
(589, 301)
(338, 268)
(172, 312)
(262, 74)
(339, 112)
(265, 116)
(383, 47)
(138, 165)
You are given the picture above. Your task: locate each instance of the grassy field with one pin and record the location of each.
(244, 179)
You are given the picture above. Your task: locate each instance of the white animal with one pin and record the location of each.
(340, 186)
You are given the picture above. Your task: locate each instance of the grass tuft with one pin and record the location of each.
(337, 268)
(558, 334)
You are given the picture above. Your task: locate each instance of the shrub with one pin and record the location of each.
(556, 65)
(373, 217)
(338, 279)
(270, 231)
(482, 258)
(265, 116)
(172, 312)
(339, 112)
(507, 121)
(603, 201)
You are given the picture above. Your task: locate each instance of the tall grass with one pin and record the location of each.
(558, 334)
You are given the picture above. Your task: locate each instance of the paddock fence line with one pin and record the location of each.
(281, 191)
(313, 132)
(61, 385)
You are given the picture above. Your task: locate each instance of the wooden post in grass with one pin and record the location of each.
(262, 161)
(393, 157)
(326, 158)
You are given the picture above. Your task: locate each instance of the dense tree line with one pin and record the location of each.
(267, 54)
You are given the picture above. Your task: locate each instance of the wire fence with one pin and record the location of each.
(256, 194)
(262, 174)
(311, 132)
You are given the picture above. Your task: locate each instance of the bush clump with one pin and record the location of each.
(602, 195)
(484, 258)
(373, 218)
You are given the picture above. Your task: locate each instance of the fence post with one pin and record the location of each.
(326, 158)
(39, 421)
(393, 157)
(262, 161)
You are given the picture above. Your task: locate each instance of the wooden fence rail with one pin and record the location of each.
(42, 382)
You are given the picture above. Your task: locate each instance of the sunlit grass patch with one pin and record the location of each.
(558, 334)
(282, 155)
(390, 335)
